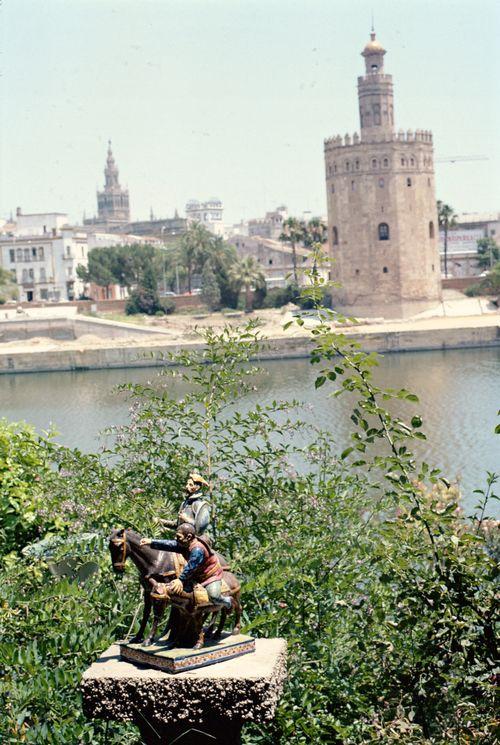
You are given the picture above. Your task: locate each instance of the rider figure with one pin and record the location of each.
(194, 510)
(202, 566)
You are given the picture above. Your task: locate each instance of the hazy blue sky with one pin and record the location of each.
(233, 98)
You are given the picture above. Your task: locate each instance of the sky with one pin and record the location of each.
(233, 98)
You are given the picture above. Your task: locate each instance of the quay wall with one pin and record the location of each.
(148, 355)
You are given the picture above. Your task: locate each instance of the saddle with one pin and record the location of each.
(199, 594)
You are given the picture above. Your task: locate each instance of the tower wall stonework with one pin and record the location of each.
(382, 215)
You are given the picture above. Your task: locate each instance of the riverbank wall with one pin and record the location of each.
(154, 352)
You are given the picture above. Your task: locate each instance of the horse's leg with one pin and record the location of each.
(201, 634)
(222, 620)
(237, 612)
(158, 610)
(210, 631)
(145, 618)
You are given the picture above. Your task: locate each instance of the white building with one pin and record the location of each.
(209, 214)
(43, 252)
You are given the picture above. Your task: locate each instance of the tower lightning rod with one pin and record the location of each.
(456, 158)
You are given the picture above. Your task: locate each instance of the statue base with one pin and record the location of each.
(180, 659)
(207, 706)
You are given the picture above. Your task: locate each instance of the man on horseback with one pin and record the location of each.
(194, 510)
(203, 565)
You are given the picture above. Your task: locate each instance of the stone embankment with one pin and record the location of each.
(114, 345)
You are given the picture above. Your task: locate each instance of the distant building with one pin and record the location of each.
(113, 207)
(382, 215)
(209, 214)
(462, 259)
(275, 258)
(270, 226)
(43, 252)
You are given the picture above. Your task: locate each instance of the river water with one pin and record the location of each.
(459, 393)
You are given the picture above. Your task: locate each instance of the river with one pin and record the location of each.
(459, 393)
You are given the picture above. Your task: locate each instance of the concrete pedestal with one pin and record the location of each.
(206, 706)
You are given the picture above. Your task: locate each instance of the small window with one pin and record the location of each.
(374, 162)
(428, 182)
(270, 261)
(335, 168)
(412, 161)
(357, 165)
(347, 165)
(353, 186)
(433, 267)
(374, 68)
(33, 252)
(44, 294)
(381, 183)
(26, 254)
(335, 236)
(386, 162)
(431, 229)
(357, 271)
(383, 231)
(25, 275)
(385, 270)
(12, 255)
(408, 182)
(403, 162)
(332, 188)
(43, 278)
(40, 253)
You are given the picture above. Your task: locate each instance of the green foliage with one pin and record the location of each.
(488, 253)
(167, 305)
(354, 552)
(143, 300)
(24, 465)
(279, 296)
(246, 274)
(8, 286)
(210, 291)
(490, 285)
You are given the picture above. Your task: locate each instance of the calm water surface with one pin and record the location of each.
(459, 393)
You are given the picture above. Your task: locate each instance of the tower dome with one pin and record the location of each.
(373, 46)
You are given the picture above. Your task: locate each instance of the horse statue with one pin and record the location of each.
(156, 568)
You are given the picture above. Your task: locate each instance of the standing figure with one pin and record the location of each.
(203, 565)
(194, 510)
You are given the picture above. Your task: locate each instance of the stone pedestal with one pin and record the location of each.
(205, 706)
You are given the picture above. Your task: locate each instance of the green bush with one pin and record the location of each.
(143, 300)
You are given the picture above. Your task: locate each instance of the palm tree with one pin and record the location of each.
(247, 273)
(447, 220)
(293, 233)
(194, 249)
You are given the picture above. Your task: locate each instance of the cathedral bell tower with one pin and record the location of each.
(113, 202)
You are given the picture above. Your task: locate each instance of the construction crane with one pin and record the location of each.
(457, 158)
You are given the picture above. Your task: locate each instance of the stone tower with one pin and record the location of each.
(382, 215)
(112, 202)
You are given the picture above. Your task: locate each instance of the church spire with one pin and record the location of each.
(113, 201)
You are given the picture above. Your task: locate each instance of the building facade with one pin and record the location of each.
(43, 252)
(270, 226)
(382, 215)
(209, 214)
(113, 207)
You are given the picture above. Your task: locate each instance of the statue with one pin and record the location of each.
(194, 510)
(191, 603)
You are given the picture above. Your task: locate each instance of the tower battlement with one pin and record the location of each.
(347, 140)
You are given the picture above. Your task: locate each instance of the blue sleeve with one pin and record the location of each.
(166, 546)
(195, 559)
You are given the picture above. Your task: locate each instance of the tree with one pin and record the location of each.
(194, 249)
(488, 253)
(447, 220)
(223, 256)
(293, 234)
(247, 273)
(491, 283)
(210, 291)
(8, 287)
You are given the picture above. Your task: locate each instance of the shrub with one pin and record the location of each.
(142, 300)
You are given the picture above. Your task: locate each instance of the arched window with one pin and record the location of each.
(408, 182)
(374, 162)
(412, 161)
(376, 113)
(333, 188)
(383, 231)
(335, 168)
(347, 165)
(335, 236)
(386, 162)
(431, 229)
(403, 162)
(43, 277)
(357, 165)
(353, 186)
(25, 275)
(385, 270)
(381, 183)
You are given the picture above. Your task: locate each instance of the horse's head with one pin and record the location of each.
(119, 548)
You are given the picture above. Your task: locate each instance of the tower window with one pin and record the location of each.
(333, 188)
(386, 162)
(408, 182)
(412, 161)
(335, 236)
(381, 183)
(335, 168)
(374, 162)
(431, 229)
(403, 162)
(353, 186)
(270, 262)
(347, 165)
(385, 270)
(383, 231)
(357, 165)
(374, 68)
(428, 182)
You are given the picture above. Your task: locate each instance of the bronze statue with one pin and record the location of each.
(190, 602)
